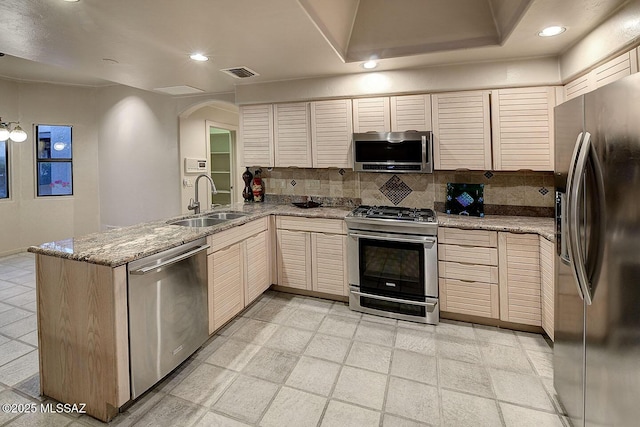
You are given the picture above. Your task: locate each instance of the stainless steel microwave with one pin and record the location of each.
(398, 152)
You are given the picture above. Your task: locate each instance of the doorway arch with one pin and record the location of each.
(195, 122)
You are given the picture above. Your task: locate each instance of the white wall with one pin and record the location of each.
(615, 35)
(194, 142)
(24, 219)
(138, 152)
(487, 75)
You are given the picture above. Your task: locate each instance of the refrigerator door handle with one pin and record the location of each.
(566, 234)
(575, 251)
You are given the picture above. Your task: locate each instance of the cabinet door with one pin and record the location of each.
(257, 266)
(256, 135)
(292, 135)
(519, 270)
(547, 258)
(329, 265)
(331, 133)
(461, 130)
(371, 115)
(523, 128)
(411, 112)
(579, 86)
(226, 286)
(615, 69)
(294, 259)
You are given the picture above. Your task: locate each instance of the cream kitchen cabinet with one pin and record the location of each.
(292, 135)
(239, 269)
(256, 135)
(331, 133)
(395, 113)
(468, 272)
(311, 254)
(522, 128)
(519, 269)
(547, 258)
(302, 134)
(612, 70)
(461, 130)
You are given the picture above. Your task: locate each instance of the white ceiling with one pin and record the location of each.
(146, 43)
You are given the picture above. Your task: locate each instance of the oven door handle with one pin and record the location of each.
(416, 239)
(429, 305)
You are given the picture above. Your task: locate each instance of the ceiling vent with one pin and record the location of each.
(240, 72)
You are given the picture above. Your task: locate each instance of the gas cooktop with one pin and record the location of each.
(393, 219)
(395, 213)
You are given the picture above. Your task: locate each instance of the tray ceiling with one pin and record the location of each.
(146, 43)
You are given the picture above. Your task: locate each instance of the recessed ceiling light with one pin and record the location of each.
(199, 57)
(72, 1)
(552, 31)
(369, 65)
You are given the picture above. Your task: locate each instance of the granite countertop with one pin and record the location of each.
(117, 247)
(122, 245)
(545, 227)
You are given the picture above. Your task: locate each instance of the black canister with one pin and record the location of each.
(247, 192)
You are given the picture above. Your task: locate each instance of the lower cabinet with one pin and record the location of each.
(520, 290)
(468, 272)
(239, 270)
(311, 254)
(547, 258)
(497, 275)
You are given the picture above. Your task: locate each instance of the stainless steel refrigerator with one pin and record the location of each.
(597, 267)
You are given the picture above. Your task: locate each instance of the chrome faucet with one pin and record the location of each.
(194, 205)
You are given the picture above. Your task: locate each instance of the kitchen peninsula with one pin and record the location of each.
(82, 294)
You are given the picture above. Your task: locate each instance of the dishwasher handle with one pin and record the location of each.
(155, 267)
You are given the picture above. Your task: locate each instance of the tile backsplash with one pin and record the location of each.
(509, 189)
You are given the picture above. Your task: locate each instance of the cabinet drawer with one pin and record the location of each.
(468, 254)
(469, 272)
(457, 236)
(472, 298)
(237, 234)
(318, 225)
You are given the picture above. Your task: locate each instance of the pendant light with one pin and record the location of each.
(16, 134)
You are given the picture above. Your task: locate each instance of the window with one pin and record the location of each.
(4, 170)
(54, 163)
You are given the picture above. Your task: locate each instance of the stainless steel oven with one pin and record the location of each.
(393, 263)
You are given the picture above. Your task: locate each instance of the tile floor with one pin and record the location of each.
(298, 361)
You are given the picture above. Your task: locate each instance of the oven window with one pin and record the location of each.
(392, 268)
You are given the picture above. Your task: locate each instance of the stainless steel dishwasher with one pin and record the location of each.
(168, 318)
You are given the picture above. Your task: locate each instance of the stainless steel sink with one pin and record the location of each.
(199, 222)
(225, 215)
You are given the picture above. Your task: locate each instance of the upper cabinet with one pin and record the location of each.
(331, 133)
(395, 113)
(256, 134)
(301, 134)
(410, 112)
(371, 115)
(522, 127)
(461, 130)
(617, 68)
(292, 135)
